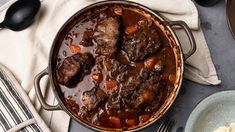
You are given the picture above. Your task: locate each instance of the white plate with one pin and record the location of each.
(214, 111)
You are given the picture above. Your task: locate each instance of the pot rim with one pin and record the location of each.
(169, 101)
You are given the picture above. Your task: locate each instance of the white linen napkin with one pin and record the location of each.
(26, 52)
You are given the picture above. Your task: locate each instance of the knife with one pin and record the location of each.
(230, 10)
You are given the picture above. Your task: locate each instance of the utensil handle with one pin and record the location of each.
(39, 93)
(189, 34)
(2, 25)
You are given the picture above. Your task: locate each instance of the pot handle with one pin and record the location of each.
(183, 25)
(39, 93)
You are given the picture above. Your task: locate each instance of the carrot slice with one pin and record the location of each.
(115, 121)
(172, 78)
(98, 77)
(144, 118)
(111, 84)
(118, 11)
(74, 48)
(131, 29)
(130, 122)
(150, 62)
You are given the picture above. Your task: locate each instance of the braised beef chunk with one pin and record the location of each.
(144, 42)
(106, 36)
(114, 101)
(87, 38)
(139, 88)
(131, 82)
(73, 68)
(92, 98)
(144, 96)
(115, 67)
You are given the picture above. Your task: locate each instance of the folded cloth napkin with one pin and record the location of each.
(26, 53)
(17, 113)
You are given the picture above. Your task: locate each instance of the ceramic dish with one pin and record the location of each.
(214, 111)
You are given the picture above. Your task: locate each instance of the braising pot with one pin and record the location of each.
(165, 26)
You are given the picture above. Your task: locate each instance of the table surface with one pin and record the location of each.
(222, 48)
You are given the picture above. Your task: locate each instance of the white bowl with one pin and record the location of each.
(214, 111)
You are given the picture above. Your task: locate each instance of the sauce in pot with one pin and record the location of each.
(115, 68)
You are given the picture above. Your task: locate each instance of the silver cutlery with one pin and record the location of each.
(166, 125)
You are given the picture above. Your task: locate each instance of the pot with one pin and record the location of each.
(163, 24)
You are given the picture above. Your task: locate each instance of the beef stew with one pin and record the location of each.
(115, 68)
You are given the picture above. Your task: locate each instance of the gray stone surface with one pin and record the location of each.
(222, 47)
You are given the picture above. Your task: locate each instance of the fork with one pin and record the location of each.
(166, 125)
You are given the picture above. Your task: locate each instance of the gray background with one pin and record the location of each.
(222, 48)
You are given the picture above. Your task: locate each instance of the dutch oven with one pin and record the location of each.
(165, 26)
